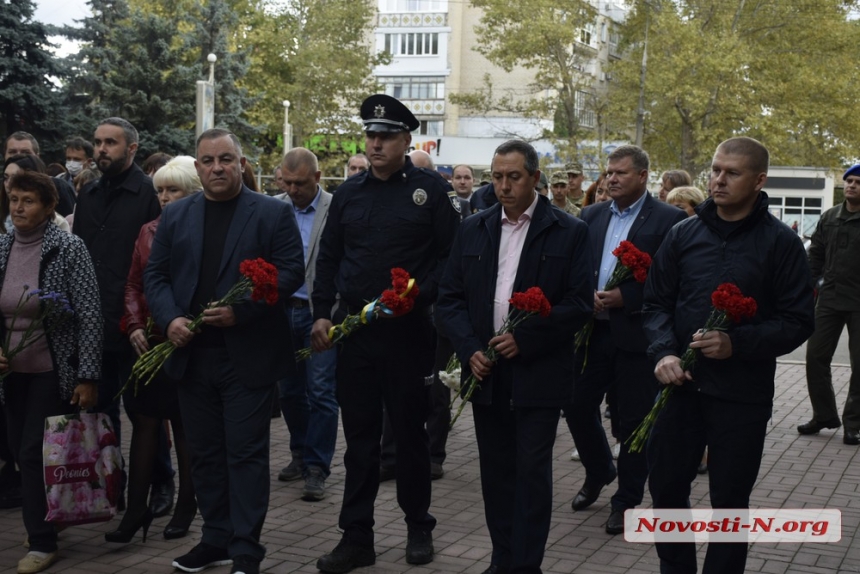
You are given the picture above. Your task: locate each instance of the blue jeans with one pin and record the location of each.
(308, 400)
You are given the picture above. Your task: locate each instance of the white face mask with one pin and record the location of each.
(74, 167)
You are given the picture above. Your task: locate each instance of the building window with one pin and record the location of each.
(430, 88)
(802, 211)
(614, 38)
(430, 128)
(583, 113)
(394, 6)
(586, 34)
(412, 44)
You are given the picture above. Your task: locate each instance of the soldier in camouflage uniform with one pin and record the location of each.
(561, 194)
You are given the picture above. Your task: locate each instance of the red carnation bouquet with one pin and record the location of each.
(258, 276)
(632, 262)
(394, 302)
(728, 305)
(525, 304)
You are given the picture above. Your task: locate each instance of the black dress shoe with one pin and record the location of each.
(419, 547)
(345, 557)
(615, 524)
(813, 426)
(496, 569)
(589, 493)
(851, 436)
(161, 498)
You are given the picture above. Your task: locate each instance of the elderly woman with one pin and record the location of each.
(148, 405)
(16, 164)
(57, 372)
(686, 198)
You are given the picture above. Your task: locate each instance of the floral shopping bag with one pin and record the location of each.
(83, 468)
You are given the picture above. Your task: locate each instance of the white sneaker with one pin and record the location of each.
(574, 455)
(616, 450)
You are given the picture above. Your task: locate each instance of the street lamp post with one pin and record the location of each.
(206, 99)
(288, 131)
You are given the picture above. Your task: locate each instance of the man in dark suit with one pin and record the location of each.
(616, 352)
(521, 242)
(230, 365)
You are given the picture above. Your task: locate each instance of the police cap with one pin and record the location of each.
(382, 113)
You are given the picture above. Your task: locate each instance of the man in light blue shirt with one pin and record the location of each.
(615, 359)
(308, 400)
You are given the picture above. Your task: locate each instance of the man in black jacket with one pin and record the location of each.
(615, 357)
(724, 402)
(521, 242)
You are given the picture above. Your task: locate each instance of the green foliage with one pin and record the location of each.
(776, 70)
(29, 100)
(314, 54)
(542, 36)
(128, 66)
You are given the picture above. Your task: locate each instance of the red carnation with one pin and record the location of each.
(632, 262)
(264, 277)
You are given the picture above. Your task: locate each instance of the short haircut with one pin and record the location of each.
(459, 165)
(81, 144)
(677, 177)
(422, 157)
(27, 162)
(637, 155)
(18, 136)
(179, 172)
(532, 163)
(758, 158)
(687, 194)
(41, 184)
(300, 157)
(155, 162)
(362, 157)
(216, 133)
(128, 130)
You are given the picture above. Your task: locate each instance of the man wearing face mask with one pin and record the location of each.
(79, 156)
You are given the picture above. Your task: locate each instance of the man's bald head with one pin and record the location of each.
(421, 158)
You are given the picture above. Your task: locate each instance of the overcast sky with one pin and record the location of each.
(59, 13)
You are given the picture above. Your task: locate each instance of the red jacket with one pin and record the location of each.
(136, 310)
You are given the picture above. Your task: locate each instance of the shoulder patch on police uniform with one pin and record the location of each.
(455, 201)
(419, 196)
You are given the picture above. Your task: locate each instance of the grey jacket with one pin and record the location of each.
(66, 268)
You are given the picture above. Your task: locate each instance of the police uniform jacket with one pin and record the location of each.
(373, 226)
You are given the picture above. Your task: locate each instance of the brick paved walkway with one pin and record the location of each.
(797, 471)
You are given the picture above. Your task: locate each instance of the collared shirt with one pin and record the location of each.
(510, 248)
(305, 220)
(620, 223)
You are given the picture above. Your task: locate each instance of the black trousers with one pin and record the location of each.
(386, 362)
(734, 434)
(515, 449)
(30, 398)
(631, 375)
(227, 427)
(438, 412)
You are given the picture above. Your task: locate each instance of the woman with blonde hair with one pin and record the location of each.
(148, 405)
(686, 198)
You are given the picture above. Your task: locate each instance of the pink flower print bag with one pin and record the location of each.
(83, 468)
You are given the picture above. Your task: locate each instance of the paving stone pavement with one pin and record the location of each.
(797, 471)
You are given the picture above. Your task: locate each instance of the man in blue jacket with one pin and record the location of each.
(229, 365)
(519, 243)
(725, 401)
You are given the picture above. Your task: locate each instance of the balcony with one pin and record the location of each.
(412, 20)
(425, 107)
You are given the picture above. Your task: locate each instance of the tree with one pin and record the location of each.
(29, 100)
(223, 28)
(129, 66)
(776, 70)
(545, 37)
(314, 54)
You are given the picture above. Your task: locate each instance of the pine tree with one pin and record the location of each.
(29, 100)
(131, 67)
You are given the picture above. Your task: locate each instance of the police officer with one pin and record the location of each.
(394, 215)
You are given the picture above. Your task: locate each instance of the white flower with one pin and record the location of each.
(451, 380)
